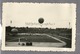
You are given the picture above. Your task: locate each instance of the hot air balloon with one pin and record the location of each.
(41, 21)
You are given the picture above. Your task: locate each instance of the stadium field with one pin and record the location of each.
(32, 38)
(45, 40)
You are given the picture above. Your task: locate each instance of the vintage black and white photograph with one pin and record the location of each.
(39, 26)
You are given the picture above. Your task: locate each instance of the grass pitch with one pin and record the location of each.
(32, 38)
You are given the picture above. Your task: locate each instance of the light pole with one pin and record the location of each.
(69, 24)
(19, 41)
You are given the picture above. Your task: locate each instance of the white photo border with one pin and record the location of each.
(4, 48)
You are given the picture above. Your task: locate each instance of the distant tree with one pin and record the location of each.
(8, 29)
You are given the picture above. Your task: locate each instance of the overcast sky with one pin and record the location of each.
(59, 15)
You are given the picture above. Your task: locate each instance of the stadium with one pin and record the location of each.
(39, 37)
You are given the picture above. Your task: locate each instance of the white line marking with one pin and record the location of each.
(64, 37)
(64, 43)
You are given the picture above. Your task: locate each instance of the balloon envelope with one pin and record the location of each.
(40, 20)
